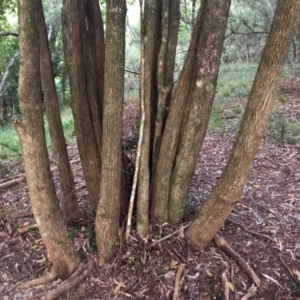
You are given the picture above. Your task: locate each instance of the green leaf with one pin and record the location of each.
(230, 285)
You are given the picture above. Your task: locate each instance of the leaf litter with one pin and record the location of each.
(159, 268)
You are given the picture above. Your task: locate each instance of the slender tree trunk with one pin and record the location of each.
(108, 211)
(172, 131)
(41, 188)
(149, 33)
(74, 27)
(170, 13)
(229, 187)
(204, 83)
(69, 199)
(94, 55)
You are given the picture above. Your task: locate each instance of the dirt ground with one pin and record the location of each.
(264, 229)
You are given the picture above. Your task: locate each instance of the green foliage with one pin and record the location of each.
(282, 130)
(10, 148)
(248, 26)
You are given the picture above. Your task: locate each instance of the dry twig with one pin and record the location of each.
(250, 231)
(223, 245)
(178, 281)
(27, 228)
(225, 284)
(169, 235)
(289, 270)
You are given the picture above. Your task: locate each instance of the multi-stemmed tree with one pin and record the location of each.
(174, 116)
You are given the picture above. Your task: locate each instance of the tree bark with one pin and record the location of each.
(170, 14)
(74, 27)
(229, 187)
(95, 56)
(108, 211)
(172, 131)
(69, 199)
(204, 84)
(41, 188)
(149, 36)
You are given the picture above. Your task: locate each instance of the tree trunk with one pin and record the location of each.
(74, 27)
(69, 199)
(149, 34)
(202, 94)
(170, 13)
(108, 211)
(94, 54)
(229, 187)
(172, 131)
(41, 188)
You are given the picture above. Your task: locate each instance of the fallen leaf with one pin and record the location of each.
(117, 289)
(297, 273)
(208, 273)
(173, 264)
(230, 285)
(169, 275)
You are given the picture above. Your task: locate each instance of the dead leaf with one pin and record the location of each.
(173, 264)
(208, 273)
(296, 273)
(117, 289)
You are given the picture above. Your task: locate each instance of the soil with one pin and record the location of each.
(147, 270)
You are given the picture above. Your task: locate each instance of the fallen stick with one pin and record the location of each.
(12, 182)
(169, 235)
(223, 245)
(27, 228)
(178, 281)
(250, 231)
(289, 270)
(225, 284)
(23, 177)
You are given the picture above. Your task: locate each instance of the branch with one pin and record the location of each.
(8, 33)
(178, 282)
(5, 75)
(131, 72)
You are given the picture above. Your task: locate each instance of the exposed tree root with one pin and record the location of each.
(250, 231)
(223, 245)
(38, 281)
(178, 281)
(78, 276)
(225, 284)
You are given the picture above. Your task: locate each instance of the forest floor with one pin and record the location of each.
(150, 269)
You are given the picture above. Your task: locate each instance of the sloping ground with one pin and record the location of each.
(147, 270)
